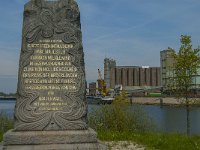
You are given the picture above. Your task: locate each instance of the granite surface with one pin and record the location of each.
(53, 140)
(81, 146)
(50, 137)
(51, 83)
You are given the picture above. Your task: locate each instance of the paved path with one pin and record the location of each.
(124, 145)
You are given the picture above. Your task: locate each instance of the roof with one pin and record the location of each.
(126, 67)
(140, 88)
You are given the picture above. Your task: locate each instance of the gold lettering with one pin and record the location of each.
(50, 99)
(51, 87)
(36, 75)
(51, 93)
(39, 57)
(55, 69)
(53, 63)
(50, 46)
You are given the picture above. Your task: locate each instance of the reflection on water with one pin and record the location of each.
(173, 119)
(167, 119)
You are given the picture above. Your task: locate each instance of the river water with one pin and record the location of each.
(167, 119)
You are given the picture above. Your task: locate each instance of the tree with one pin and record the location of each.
(187, 61)
(2, 94)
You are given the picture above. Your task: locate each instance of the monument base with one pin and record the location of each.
(52, 140)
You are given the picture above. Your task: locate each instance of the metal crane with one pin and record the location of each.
(102, 85)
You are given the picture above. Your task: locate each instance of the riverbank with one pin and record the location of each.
(151, 141)
(132, 139)
(8, 98)
(167, 101)
(147, 141)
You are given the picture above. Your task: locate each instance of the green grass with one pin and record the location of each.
(154, 95)
(154, 141)
(116, 123)
(1, 136)
(6, 124)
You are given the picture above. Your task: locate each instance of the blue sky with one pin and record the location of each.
(131, 31)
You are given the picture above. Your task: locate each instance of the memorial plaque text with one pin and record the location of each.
(51, 85)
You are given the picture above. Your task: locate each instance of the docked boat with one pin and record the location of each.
(99, 100)
(107, 100)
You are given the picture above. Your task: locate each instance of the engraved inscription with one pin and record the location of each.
(51, 86)
(56, 59)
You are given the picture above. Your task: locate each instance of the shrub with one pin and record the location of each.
(120, 116)
(6, 124)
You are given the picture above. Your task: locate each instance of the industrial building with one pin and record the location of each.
(95, 88)
(167, 65)
(108, 65)
(92, 88)
(130, 75)
(167, 72)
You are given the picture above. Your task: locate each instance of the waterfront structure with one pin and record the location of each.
(108, 64)
(97, 88)
(167, 71)
(196, 81)
(92, 88)
(167, 65)
(132, 75)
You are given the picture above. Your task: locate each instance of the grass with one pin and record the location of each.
(1, 136)
(154, 141)
(6, 124)
(117, 123)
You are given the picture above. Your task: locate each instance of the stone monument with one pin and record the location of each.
(51, 107)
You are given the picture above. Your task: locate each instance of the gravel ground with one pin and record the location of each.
(124, 145)
(121, 145)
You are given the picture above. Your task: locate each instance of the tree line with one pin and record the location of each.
(2, 94)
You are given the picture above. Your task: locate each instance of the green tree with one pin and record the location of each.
(187, 62)
(2, 94)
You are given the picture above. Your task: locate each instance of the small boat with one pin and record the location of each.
(107, 100)
(99, 100)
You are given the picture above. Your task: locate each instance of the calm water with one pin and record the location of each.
(168, 119)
